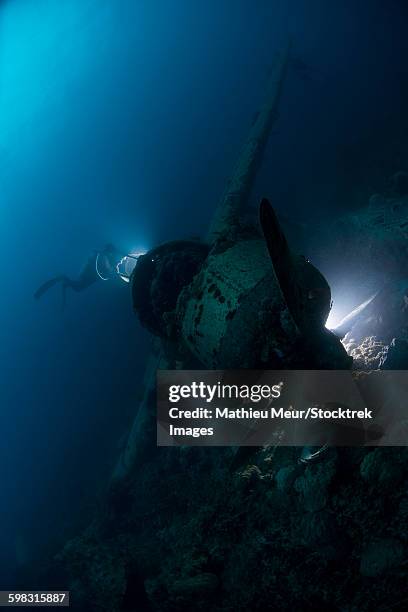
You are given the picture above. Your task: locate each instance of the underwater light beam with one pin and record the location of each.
(127, 264)
(340, 317)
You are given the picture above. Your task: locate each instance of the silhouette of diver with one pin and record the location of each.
(99, 266)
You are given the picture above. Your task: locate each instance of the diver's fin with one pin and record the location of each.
(47, 285)
(282, 259)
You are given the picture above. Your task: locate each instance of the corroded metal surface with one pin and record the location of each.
(250, 158)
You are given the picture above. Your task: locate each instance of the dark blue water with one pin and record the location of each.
(119, 122)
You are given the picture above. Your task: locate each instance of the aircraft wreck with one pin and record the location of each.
(182, 527)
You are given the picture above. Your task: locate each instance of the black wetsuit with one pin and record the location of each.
(87, 277)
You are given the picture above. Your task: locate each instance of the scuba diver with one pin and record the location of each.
(101, 265)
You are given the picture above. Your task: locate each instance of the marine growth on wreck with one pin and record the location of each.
(279, 522)
(297, 261)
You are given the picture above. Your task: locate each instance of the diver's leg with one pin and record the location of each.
(63, 296)
(47, 285)
(76, 285)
